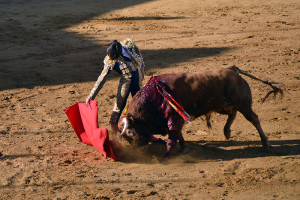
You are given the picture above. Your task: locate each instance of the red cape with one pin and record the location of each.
(84, 120)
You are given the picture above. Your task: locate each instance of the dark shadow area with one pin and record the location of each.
(11, 157)
(36, 50)
(163, 58)
(216, 151)
(248, 149)
(198, 151)
(27, 77)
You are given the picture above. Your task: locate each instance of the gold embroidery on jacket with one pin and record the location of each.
(125, 67)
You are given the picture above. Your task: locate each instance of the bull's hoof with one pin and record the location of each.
(227, 134)
(166, 159)
(266, 145)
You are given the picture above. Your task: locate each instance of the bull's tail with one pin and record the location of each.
(277, 87)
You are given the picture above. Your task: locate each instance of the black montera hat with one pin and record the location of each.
(114, 50)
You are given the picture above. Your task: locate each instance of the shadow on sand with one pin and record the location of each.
(212, 151)
(37, 50)
(199, 151)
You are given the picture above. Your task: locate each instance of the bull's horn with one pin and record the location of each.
(125, 121)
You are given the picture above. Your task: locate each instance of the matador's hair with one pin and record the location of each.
(114, 50)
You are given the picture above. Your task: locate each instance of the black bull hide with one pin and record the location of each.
(199, 93)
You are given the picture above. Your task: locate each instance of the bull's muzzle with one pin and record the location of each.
(128, 132)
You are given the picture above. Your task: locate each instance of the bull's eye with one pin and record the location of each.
(129, 133)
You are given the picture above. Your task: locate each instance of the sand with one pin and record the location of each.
(52, 53)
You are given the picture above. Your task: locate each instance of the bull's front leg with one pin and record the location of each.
(175, 124)
(172, 140)
(182, 143)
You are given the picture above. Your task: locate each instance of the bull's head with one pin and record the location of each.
(132, 132)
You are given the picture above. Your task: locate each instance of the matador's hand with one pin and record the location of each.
(87, 101)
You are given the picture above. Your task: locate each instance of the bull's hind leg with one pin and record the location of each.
(230, 119)
(253, 118)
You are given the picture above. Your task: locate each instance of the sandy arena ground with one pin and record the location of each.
(52, 53)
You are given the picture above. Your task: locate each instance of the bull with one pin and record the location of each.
(199, 93)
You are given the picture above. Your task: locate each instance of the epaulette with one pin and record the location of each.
(109, 62)
(128, 43)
